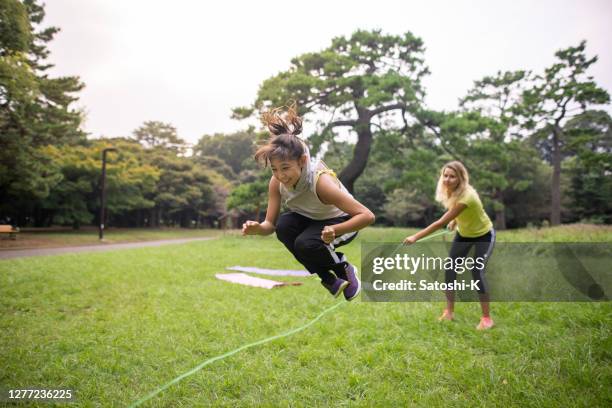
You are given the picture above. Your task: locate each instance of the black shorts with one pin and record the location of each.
(483, 247)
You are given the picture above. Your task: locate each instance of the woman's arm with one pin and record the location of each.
(269, 225)
(330, 193)
(449, 216)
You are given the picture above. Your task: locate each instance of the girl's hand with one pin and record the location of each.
(410, 240)
(451, 225)
(250, 228)
(328, 234)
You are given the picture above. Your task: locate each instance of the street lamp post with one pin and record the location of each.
(103, 191)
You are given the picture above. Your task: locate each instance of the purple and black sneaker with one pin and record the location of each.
(337, 287)
(354, 287)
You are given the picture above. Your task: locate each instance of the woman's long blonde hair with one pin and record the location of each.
(449, 199)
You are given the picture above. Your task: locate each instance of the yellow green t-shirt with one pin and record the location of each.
(473, 221)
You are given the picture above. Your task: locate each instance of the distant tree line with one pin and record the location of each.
(538, 145)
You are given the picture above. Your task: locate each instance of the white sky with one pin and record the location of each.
(188, 62)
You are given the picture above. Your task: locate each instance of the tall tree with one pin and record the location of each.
(234, 149)
(354, 82)
(184, 193)
(35, 108)
(496, 99)
(15, 32)
(250, 197)
(154, 134)
(589, 140)
(563, 91)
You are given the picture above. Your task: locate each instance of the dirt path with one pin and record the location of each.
(23, 253)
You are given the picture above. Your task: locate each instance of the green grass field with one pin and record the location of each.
(115, 326)
(89, 236)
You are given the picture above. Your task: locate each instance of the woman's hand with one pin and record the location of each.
(451, 225)
(251, 228)
(328, 234)
(410, 240)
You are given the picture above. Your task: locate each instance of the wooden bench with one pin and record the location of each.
(8, 229)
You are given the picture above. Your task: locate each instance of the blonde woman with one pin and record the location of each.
(474, 228)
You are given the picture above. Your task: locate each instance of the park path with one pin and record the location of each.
(23, 253)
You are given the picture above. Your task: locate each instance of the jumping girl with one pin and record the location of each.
(322, 215)
(474, 228)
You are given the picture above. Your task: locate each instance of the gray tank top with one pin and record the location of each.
(303, 198)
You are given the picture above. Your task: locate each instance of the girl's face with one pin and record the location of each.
(287, 172)
(450, 179)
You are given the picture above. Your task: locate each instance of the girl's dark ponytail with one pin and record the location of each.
(284, 143)
(279, 122)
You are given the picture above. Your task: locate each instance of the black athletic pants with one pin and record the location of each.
(302, 237)
(483, 248)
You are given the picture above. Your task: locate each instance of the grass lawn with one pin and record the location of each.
(89, 236)
(115, 326)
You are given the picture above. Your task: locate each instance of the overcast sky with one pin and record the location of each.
(188, 62)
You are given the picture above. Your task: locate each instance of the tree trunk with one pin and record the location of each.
(500, 219)
(155, 217)
(555, 213)
(500, 211)
(360, 156)
(429, 214)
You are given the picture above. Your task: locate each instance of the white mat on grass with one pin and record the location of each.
(244, 279)
(273, 272)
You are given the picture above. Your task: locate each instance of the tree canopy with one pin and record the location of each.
(353, 83)
(35, 109)
(563, 91)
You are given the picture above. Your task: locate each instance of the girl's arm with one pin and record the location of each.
(269, 225)
(449, 216)
(330, 193)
